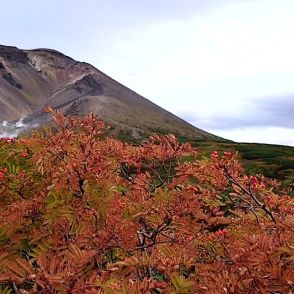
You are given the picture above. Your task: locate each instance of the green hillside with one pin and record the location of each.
(273, 161)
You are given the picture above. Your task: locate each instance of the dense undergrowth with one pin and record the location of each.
(79, 214)
(273, 161)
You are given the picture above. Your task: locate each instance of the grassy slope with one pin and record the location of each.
(273, 161)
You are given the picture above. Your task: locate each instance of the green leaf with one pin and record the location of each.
(13, 169)
(5, 290)
(181, 284)
(4, 234)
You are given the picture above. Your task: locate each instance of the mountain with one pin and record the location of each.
(31, 79)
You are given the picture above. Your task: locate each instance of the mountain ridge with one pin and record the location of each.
(32, 79)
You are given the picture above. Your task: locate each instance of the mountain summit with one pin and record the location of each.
(32, 79)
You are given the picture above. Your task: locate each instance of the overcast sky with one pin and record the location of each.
(226, 66)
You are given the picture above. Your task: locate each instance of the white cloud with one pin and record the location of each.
(281, 136)
(212, 64)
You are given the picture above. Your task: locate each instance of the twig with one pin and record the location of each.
(250, 193)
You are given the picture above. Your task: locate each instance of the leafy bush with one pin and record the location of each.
(84, 215)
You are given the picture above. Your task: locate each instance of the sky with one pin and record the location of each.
(226, 66)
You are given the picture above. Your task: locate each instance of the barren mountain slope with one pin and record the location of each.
(30, 79)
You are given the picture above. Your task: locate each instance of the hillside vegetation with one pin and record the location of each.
(85, 213)
(272, 161)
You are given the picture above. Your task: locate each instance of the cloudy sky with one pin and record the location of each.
(226, 66)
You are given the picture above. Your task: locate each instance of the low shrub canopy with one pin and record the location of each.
(82, 214)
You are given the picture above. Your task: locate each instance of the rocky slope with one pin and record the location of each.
(31, 79)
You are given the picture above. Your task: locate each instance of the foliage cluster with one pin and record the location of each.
(79, 214)
(273, 161)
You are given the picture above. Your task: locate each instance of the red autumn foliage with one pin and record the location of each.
(82, 214)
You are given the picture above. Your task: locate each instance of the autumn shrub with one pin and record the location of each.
(82, 214)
